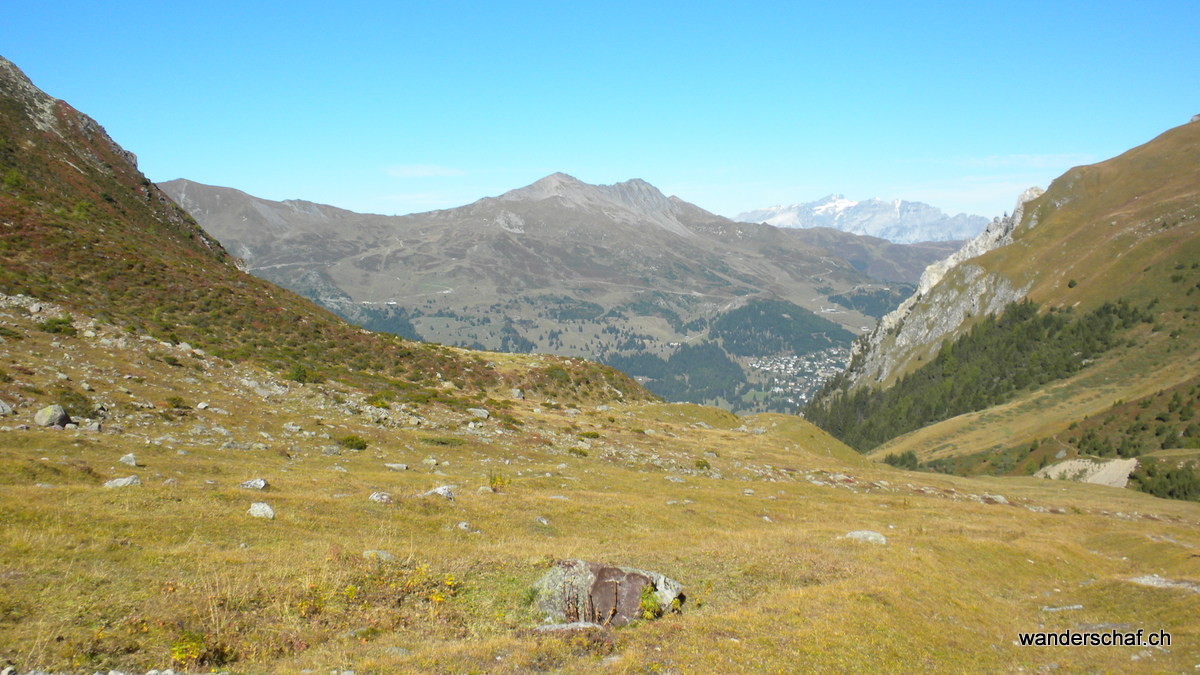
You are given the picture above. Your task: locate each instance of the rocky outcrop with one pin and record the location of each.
(1113, 472)
(575, 590)
(949, 293)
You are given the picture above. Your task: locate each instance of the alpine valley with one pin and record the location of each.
(700, 308)
(204, 472)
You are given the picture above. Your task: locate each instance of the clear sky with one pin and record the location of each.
(396, 107)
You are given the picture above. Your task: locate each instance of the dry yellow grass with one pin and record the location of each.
(175, 572)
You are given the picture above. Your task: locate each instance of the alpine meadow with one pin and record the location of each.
(580, 428)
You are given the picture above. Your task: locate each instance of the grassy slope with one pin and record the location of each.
(95, 578)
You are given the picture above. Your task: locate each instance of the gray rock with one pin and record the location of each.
(480, 413)
(517, 394)
(445, 491)
(52, 416)
(262, 510)
(381, 497)
(429, 461)
(254, 484)
(6, 409)
(568, 628)
(381, 556)
(868, 536)
(128, 481)
(397, 467)
(994, 499)
(579, 591)
(93, 427)
(128, 460)
(291, 427)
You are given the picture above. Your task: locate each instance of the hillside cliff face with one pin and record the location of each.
(949, 293)
(1100, 233)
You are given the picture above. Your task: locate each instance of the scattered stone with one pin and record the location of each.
(6, 409)
(381, 497)
(93, 427)
(254, 484)
(262, 510)
(464, 526)
(748, 492)
(129, 460)
(579, 591)
(397, 651)
(480, 413)
(51, 416)
(128, 481)
(445, 491)
(675, 479)
(397, 467)
(1062, 609)
(517, 394)
(202, 406)
(994, 499)
(486, 490)
(573, 627)
(87, 386)
(429, 461)
(1156, 581)
(291, 427)
(867, 536)
(381, 556)
(542, 520)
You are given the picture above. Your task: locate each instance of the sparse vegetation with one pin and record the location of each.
(353, 442)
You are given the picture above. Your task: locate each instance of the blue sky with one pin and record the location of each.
(396, 107)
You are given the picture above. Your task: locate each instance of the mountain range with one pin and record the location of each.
(620, 273)
(898, 221)
(202, 471)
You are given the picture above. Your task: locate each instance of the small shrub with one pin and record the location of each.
(1072, 283)
(63, 325)
(703, 465)
(648, 604)
(498, 481)
(9, 333)
(578, 452)
(589, 434)
(442, 440)
(353, 442)
(177, 403)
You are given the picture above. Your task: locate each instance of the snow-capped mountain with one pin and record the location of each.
(897, 221)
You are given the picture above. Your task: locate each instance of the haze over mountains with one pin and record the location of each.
(621, 273)
(898, 221)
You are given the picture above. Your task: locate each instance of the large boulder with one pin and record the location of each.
(52, 416)
(576, 590)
